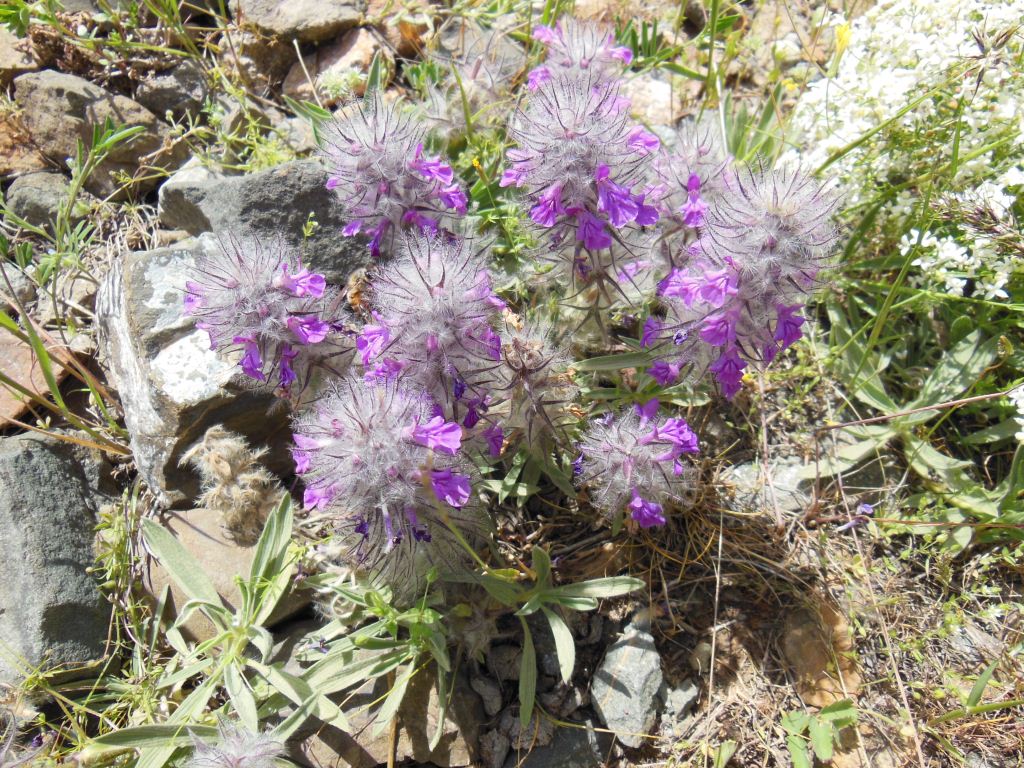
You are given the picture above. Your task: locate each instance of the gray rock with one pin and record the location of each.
(60, 109)
(13, 280)
(494, 746)
(37, 197)
(51, 610)
(538, 732)
(261, 62)
(15, 58)
(269, 204)
(172, 386)
(581, 747)
(489, 693)
(624, 690)
(752, 491)
(504, 661)
(308, 21)
(180, 91)
(681, 699)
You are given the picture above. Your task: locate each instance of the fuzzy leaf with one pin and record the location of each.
(612, 586)
(821, 739)
(183, 568)
(565, 646)
(957, 371)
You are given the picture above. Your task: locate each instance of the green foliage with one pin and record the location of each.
(820, 731)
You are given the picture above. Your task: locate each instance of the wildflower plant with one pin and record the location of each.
(235, 747)
(385, 180)
(574, 47)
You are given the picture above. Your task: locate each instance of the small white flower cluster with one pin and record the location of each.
(902, 51)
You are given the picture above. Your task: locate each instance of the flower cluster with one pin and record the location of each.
(584, 168)
(259, 299)
(385, 181)
(433, 321)
(633, 462)
(384, 467)
(575, 47)
(758, 257)
(952, 98)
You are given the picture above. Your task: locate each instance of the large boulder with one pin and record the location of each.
(37, 198)
(14, 56)
(51, 611)
(59, 110)
(172, 386)
(267, 205)
(308, 21)
(180, 91)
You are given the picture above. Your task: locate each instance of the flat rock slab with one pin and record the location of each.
(308, 21)
(271, 204)
(51, 610)
(172, 386)
(624, 690)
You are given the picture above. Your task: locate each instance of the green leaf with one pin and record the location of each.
(612, 586)
(542, 566)
(270, 573)
(442, 709)
(394, 698)
(795, 723)
(957, 371)
(798, 752)
(183, 568)
(997, 433)
(724, 753)
(867, 440)
(527, 676)
(241, 697)
(842, 713)
(614, 362)
(821, 739)
(974, 698)
(565, 646)
(374, 76)
(934, 465)
(146, 737)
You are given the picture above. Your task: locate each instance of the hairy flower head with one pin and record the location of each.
(384, 179)
(385, 470)
(579, 162)
(435, 312)
(236, 747)
(633, 463)
(259, 299)
(575, 47)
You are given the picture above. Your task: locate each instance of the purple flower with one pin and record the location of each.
(424, 223)
(371, 342)
(591, 232)
(614, 199)
(301, 452)
(352, 228)
(495, 437)
(631, 269)
(680, 284)
(318, 498)
(787, 329)
(678, 432)
(288, 376)
(453, 197)
(431, 168)
(439, 435)
(537, 77)
(641, 141)
(647, 513)
(719, 285)
(251, 362)
(646, 215)
(665, 372)
(450, 488)
(543, 34)
(728, 370)
(308, 330)
(548, 207)
(719, 329)
(384, 370)
(302, 283)
(652, 327)
(647, 411)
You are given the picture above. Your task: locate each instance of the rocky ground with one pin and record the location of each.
(744, 619)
